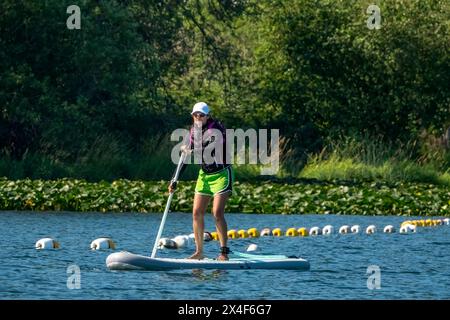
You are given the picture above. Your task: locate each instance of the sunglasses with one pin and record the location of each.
(199, 114)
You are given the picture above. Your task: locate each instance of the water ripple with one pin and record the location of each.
(412, 266)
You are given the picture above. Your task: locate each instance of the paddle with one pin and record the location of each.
(161, 227)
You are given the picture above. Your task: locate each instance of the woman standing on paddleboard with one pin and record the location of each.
(208, 142)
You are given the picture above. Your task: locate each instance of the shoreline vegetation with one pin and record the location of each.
(362, 111)
(349, 176)
(294, 197)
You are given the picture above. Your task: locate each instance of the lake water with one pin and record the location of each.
(412, 266)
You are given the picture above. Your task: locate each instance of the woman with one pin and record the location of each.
(215, 178)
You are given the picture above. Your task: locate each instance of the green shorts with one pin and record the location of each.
(215, 183)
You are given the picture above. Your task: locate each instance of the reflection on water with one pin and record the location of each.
(206, 275)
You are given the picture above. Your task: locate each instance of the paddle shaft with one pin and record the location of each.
(169, 200)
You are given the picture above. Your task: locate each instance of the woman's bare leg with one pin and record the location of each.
(198, 223)
(220, 200)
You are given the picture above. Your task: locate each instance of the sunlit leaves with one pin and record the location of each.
(140, 196)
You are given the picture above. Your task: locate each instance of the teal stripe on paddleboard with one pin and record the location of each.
(257, 256)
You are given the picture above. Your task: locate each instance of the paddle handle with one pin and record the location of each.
(169, 200)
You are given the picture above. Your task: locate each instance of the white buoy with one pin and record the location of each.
(314, 231)
(252, 247)
(207, 236)
(404, 228)
(103, 243)
(344, 229)
(446, 221)
(46, 243)
(181, 241)
(327, 230)
(412, 228)
(265, 232)
(355, 229)
(389, 229)
(167, 243)
(371, 229)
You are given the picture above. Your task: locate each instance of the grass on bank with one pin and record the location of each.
(365, 159)
(336, 168)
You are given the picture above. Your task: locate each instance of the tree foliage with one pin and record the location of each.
(310, 68)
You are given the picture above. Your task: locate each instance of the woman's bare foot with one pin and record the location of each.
(222, 257)
(197, 256)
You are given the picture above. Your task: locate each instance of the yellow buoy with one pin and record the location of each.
(253, 233)
(428, 223)
(303, 232)
(232, 234)
(276, 232)
(215, 235)
(242, 234)
(404, 223)
(291, 232)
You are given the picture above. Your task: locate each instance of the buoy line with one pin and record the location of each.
(408, 226)
(180, 241)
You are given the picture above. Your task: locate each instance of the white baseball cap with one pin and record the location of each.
(200, 107)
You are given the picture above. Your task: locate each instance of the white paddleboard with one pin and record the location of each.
(238, 261)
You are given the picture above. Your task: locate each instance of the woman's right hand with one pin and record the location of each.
(185, 149)
(172, 186)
